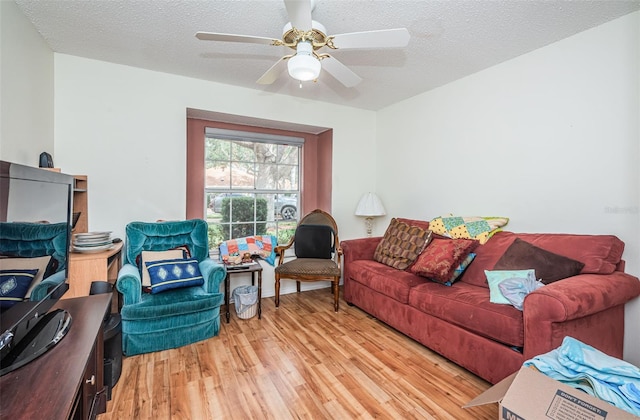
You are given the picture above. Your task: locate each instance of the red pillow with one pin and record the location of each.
(441, 257)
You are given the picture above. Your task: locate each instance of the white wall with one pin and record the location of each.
(125, 128)
(26, 83)
(549, 139)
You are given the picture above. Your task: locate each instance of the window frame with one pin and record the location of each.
(316, 174)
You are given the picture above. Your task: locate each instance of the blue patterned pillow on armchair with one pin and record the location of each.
(174, 274)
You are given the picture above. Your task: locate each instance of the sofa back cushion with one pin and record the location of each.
(423, 224)
(600, 254)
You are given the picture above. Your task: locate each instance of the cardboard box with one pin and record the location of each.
(529, 394)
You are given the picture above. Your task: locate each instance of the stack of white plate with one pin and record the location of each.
(91, 242)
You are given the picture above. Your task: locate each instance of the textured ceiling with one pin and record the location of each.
(450, 39)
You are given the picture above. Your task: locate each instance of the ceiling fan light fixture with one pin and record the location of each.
(304, 66)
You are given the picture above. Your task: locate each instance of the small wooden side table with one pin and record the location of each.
(252, 268)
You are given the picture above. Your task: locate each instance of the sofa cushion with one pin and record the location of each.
(548, 266)
(414, 222)
(468, 307)
(599, 253)
(441, 257)
(401, 244)
(384, 279)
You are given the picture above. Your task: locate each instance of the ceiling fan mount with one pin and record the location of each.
(307, 37)
(316, 35)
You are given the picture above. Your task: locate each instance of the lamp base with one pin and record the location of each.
(368, 223)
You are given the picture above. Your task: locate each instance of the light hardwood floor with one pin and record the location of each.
(301, 360)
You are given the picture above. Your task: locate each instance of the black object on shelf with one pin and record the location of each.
(112, 340)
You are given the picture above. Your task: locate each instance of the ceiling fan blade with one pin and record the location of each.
(385, 38)
(299, 12)
(212, 36)
(274, 72)
(341, 72)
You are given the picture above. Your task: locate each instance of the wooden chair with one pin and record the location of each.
(318, 254)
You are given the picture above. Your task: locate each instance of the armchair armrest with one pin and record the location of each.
(589, 307)
(129, 284)
(280, 250)
(213, 274)
(41, 290)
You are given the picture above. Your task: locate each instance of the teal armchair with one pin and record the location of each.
(30, 240)
(173, 318)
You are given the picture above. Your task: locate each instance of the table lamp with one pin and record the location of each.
(369, 207)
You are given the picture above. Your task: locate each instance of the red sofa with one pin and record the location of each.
(493, 340)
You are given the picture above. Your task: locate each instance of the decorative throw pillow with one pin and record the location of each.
(495, 277)
(14, 285)
(314, 241)
(460, 269)
(475, 227)
(151, 256)
(549, 267)
(515, 290)
(40, 264)
(442, 257)
(401, 244)
(174, 274)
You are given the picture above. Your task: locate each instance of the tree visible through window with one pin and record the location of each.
(252, 185)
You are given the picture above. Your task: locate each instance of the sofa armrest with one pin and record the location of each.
(213, 274)
(129, 284)
(585, 306)
(41, 290)
(359, 249)
(354, 250)
(580, 295)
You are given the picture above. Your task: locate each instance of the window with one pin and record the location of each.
(252, 184)
(315, 160)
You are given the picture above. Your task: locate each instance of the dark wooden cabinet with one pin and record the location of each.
(67, 381)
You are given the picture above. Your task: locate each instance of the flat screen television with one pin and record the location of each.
(32, 199)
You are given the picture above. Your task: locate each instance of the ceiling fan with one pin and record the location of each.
(307, 38)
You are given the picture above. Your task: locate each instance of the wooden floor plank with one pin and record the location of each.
(300, 361)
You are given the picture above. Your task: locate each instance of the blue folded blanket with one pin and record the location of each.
(588, 369)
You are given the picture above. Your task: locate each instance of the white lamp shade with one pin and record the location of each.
(370, 206)
(304, 66)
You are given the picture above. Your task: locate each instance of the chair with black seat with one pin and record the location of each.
(318, 254)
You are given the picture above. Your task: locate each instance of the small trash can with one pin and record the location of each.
(245, 299)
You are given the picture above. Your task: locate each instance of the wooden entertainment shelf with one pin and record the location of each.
(67, 382)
